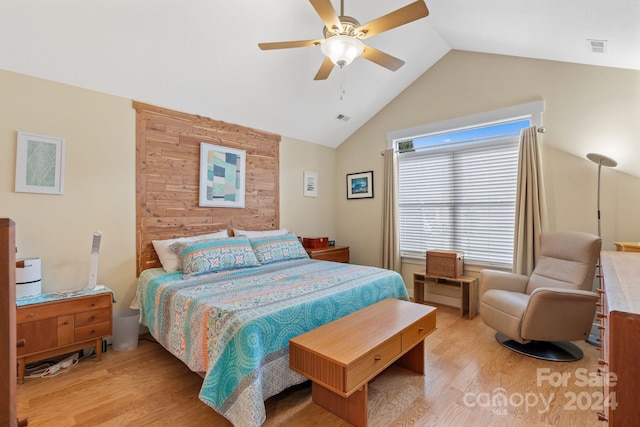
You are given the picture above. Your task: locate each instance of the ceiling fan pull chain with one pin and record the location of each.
(342, 86)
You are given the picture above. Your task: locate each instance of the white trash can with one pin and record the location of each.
(126, 328)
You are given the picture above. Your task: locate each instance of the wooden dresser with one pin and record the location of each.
(620, 317)
(330, 253)
(628, 246)
(63, 324)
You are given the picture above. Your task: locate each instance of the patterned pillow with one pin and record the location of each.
(209, 256)
(270, 249)
(169, 259)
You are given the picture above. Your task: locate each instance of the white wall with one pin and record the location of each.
(582, 103)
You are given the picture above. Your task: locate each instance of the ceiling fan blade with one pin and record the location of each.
(325, 70)
(384, 59)
(404, 15)
(287, 45)
(327, 14)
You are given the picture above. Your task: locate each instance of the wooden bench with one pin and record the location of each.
(341, 357)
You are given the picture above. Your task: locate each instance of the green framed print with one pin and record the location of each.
(39, 164)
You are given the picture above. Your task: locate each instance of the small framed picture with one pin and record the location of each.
(222, 176)
(39, 164)
(310, 181)
(360, 185)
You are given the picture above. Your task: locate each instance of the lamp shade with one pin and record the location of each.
(342, 49)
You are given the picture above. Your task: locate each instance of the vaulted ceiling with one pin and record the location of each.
(202, 56)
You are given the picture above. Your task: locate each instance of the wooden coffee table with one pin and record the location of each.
(341, 357)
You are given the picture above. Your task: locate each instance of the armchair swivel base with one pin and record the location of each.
(562, 351)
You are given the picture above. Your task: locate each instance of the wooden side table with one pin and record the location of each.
(330, 253)
(56, 323)
(468, 287)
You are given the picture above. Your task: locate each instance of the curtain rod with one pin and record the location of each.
(539, 130)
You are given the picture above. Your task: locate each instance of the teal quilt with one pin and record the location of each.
(236, 325)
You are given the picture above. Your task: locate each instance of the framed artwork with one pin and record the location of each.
(360, 185)
(39, 164)
(310, 184)
(222, 176)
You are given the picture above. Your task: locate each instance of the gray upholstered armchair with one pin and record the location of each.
(535, 315)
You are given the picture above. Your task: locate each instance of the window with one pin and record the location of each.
(457, 189)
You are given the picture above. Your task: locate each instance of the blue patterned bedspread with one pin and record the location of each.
(236, 325)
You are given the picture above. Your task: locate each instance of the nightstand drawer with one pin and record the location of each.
(331, 253)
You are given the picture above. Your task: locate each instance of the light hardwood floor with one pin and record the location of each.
(467, 373)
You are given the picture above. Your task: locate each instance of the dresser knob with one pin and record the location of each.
(601, 315)
(32, 315)
(20, 343)
(377, 358)
(602, 417)
(420, 329)
(602, 362)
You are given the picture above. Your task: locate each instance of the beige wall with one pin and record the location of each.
(100, 162)
(99, 183)
(99, 191)
(581, 103)
(307, 216)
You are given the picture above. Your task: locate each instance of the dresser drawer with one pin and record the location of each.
(372, 362)
(48, 310)
(96, 330)
(93, 316)
(418, 331)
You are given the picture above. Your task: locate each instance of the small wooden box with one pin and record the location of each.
(449, 264)
(315, 242)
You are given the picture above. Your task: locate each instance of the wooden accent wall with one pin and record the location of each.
(167, 178)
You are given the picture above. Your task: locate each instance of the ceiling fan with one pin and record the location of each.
(343, 36)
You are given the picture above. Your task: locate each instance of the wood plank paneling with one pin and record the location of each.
(167, 178)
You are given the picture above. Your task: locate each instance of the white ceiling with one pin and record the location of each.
(202, 57)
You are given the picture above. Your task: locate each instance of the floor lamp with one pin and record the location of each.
(600, 160)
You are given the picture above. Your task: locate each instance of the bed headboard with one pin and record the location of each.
(167, 178)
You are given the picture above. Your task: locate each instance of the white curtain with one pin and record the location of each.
(531, 215)
(390, 240)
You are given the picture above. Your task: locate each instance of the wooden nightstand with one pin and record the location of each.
(330, 253)
(57, 323)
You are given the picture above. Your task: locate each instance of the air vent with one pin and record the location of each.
(342, 117)
(597, 46)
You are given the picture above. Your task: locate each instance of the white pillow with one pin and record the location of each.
(254, 234)
(169, 259)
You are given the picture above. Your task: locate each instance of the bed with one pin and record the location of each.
(234, 325)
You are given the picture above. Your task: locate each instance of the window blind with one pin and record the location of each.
(460, 197)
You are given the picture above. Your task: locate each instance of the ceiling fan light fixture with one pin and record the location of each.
(342, 49)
